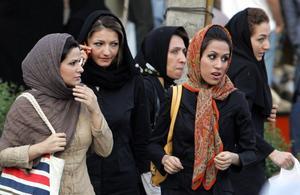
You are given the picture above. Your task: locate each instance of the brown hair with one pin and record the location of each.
(256, 16)
(111, 23)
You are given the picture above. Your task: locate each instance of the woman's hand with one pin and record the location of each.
(85, 52)
(282, 159)
(171, 164)
(224, 159)
(272, 117)
(54, 143)
(85, 95)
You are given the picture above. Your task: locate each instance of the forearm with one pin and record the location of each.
(97, 118)
(235, 159)
(16, 157)
(102, 135)
(275, 8)
(34, 151)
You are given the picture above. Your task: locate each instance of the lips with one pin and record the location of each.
(216, 74)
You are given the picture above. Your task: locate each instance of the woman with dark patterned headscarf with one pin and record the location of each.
(110, 71)
(212, 133)
(52, 69)
(162, 59)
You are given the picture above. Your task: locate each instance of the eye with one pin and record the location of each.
(98, 44)
(174, 51)
(115, 44)
(211, 56)
(224, 58)
(73, 63)
(261, 39)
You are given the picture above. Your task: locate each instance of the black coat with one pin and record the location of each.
(249, 76)
(125, 112)
(235, 131)
(155, 95)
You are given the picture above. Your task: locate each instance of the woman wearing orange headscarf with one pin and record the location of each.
(213, 133)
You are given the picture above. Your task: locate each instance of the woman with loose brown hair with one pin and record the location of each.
(250, 32)
(110, 71)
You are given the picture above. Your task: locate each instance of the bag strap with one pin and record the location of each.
(176, 97)
(38, 109)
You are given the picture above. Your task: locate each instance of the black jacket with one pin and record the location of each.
(125, 112)
(249, 75)
(235, 131)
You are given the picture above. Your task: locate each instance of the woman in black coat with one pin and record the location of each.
(110, 71)
(162, 59)
(250, 32)
(213, 134)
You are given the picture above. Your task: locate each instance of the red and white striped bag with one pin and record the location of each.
(42, 179)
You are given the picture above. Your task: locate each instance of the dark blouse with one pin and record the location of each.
(235, 131)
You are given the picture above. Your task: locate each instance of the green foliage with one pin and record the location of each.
(8, 93)
(273, 136)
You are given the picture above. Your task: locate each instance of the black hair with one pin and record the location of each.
(182, 34)
(69, 44)
(215, 33)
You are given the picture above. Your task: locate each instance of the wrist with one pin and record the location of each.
(164, 158)
(272, 154)
(235, 158)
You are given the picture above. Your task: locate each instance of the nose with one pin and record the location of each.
(218, 63)
(182, 57)
(106, 50)
(266, 45)
(80, 69)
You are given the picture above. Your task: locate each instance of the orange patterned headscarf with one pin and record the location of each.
(207, 140)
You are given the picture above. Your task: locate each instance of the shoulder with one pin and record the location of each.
(242, 69)
(235, 100)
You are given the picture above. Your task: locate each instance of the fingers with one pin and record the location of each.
(223, 160)
(86, 49)
(288, 162)
(54, 143)
(282, 159)
(172, 164)
(83, 93)
(275, 106)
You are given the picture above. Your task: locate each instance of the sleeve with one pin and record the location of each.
(102, 138)
(245, 134)
(140, 127)
(149, 96)
(159, 136)
(264, 149)
(16, 157)
(246, 82)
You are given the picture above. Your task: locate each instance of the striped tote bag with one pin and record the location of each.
(43, 179)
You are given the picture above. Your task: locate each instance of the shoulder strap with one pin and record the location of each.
(176, 97)
(38, 109)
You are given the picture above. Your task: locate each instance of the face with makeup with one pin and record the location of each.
(214, 62)
(71, 67)
(260, 40)
(105, 46)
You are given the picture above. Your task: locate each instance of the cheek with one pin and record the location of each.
(115, 52)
